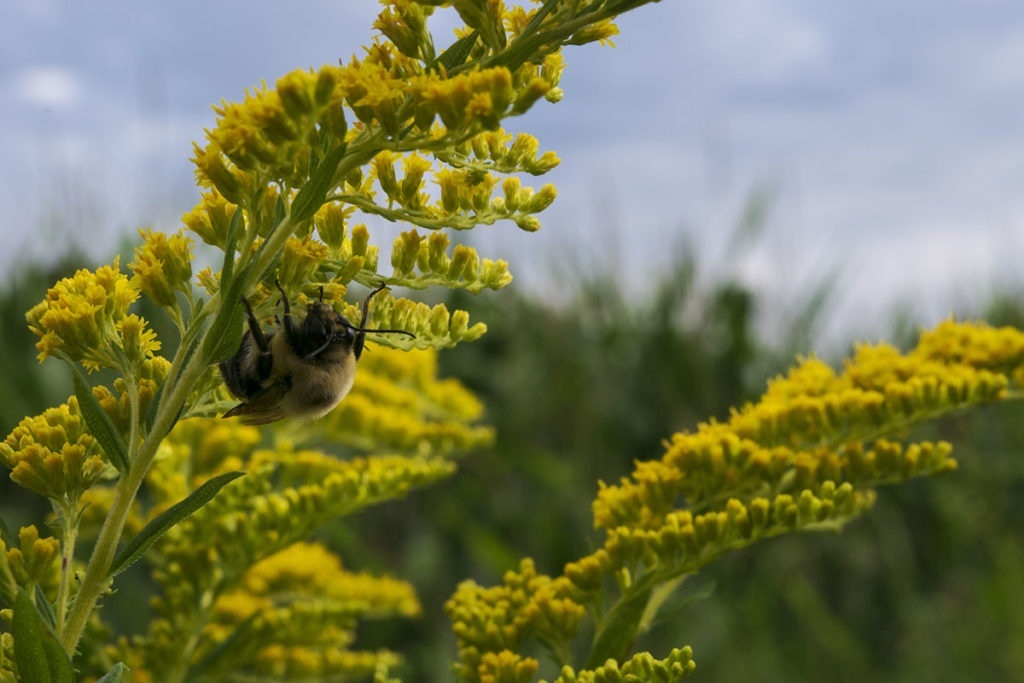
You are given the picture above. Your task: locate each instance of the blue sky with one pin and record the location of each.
(890, 135)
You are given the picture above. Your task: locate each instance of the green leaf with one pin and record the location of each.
(28, 641)
(45, 610)
(615, 635)
(61, 670)
(38, 653)
(311, 196)
(234, 230)
(221, 341)
(114, 675)
(154, 405)
(458, 52)
(99, 423)
(149, 535)
(538, 17)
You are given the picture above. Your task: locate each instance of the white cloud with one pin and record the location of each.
(889, 129)
(47, 86)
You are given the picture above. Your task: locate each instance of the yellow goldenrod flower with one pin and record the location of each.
(163, 265)
(404, 23)
(330, 223)
(506, 667)
(642, 666)
(488, 621)
(299, 261)
(79, 316)
(814, 422)
(211, 218)
(53, 454)
(34, 560)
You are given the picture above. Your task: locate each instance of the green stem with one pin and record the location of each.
(69, 537)
(96, 576)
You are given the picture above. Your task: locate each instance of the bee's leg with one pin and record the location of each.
(357, 346)
(288, 324)
(265, 360)
(254, 328)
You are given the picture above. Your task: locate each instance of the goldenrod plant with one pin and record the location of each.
(142, 468)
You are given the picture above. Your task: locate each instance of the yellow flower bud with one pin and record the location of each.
(330, 224)
(299, 261)
(294, 90)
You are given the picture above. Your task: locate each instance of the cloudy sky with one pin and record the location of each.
(890, 136)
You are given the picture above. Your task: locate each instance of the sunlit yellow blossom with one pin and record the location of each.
(53, 454)
(330, 223)
(506, 667)
(488, 621)
(478, 97)
(150, 374)
(34, 560)
(80, 315)
(297, 661)
(814, 421)
(373, 93)
(211, 218)
(137, 341)
(310, 569)
(642, 666)
(404, 24)
(163, 265)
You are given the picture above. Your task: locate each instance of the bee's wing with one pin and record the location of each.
(263, 407)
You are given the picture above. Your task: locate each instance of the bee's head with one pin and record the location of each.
(324, 328)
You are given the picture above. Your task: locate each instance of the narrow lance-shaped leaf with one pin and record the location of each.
(311, 196)
(225, 334)
(61, 670)
(38, 653)
(100, 424)
(149, 535)
(230, 246)
(44, 608)
(615, 636)
(458, 52)
(28, 641)
(154, 405)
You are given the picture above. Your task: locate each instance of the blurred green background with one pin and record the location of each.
(928, 586)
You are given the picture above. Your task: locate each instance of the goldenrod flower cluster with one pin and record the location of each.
(491, 623)
(412, 413)
(33, 562)
(640, 667)
(806, 457)
(54, 454)
(296, 611)
(85, 318)
(816, 425)
(267, 602)
(163, 266)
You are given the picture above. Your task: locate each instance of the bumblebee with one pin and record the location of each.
(301, 370)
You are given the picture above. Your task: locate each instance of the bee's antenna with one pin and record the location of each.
(363, 329)
(375, 331)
